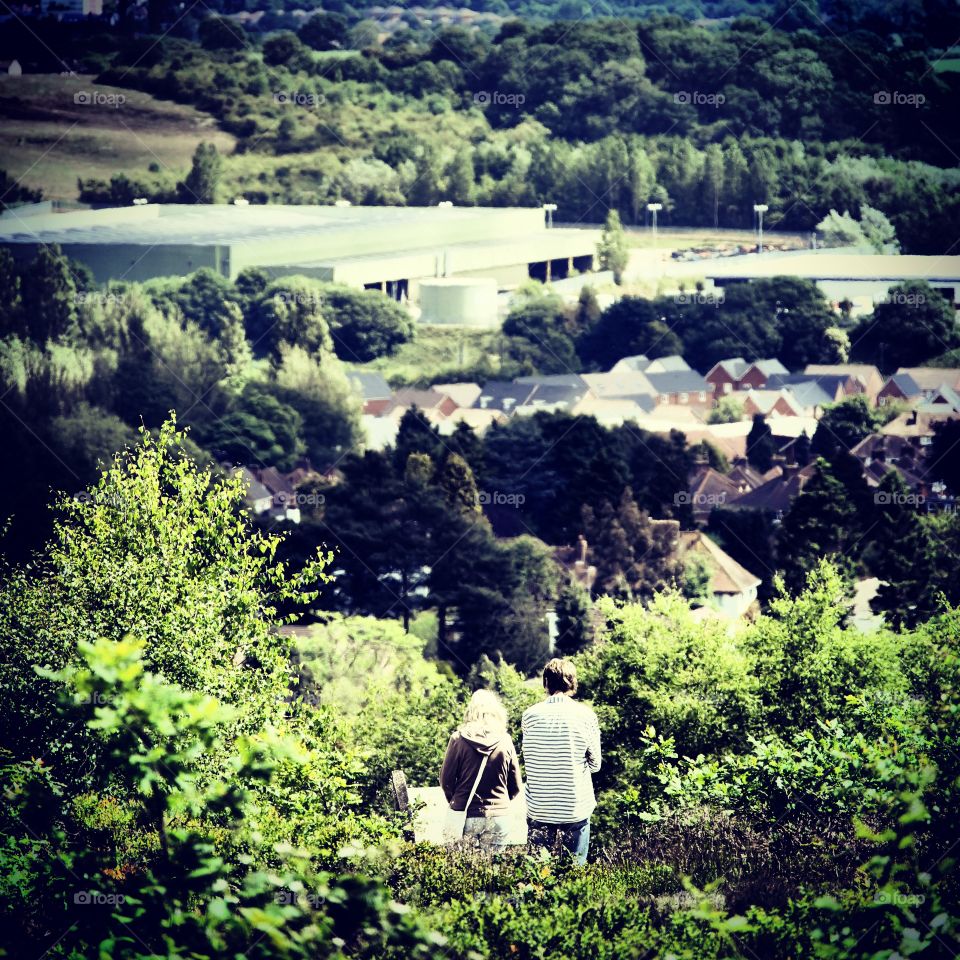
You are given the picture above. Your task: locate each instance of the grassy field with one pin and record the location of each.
(48, 140)
(437, 349)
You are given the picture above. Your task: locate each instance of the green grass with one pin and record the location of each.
(48, 140)
(437, 351)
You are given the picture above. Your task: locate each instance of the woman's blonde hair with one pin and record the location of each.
(486, 710)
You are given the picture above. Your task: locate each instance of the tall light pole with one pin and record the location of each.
(549, 209)
(653, 208)
(759, 209)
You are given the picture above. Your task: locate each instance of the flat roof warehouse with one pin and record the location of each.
(361, 246)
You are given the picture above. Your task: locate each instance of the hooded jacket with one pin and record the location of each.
(500, 782)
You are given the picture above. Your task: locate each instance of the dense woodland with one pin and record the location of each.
(182, 779)
(589, 114)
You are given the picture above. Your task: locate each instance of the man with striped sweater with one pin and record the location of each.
(561, 752)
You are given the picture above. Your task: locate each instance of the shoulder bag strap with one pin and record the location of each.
(476, 783)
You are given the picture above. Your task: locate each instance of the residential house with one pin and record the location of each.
(732, 589)
(929, 379)
(746, 477)
(682, 387)
(879, 453)
(374, 391)
(256, 496)
(724, 376)
(736, 374)
(615, 385)
(918, 422)
(554, 397)
(866, 374)
(758, 373)
(429, 401)
(642, 364)
(772, 403)
(671, 364)
(270, 492)
(814, 393)
(573, 560)
(944, 398)
(462, 394)
(504, 396)
(900, 387)
(776, 494)
(708, 488)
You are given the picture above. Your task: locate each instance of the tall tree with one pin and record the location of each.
(575, 626)
(634, 555)
(843, 426)
(760, 444)
(825, 521)
(910, 326)
(613, 251)
(713, 180)
(49, 296)
(945, 454)
(460, 177)
(202, 183)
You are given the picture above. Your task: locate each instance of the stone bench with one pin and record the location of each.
(430, 806)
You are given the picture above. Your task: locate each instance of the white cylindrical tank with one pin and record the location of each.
(470, 301)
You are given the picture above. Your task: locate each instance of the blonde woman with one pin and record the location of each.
(480, 774)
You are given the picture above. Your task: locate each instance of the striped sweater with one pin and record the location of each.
(561, 750)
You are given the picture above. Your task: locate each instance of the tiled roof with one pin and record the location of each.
(501, 395)
(769, 367)
(930, 378)
(734, 367)
(777, 494)
(727, 576)
(678, 381)
(371, 385)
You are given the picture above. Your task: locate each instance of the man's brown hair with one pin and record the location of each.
(560, 676)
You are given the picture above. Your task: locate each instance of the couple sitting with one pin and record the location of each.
(561, 751)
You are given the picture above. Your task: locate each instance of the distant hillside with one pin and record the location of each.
(54, 129)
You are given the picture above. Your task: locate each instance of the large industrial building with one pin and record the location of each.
(841, 274)
(389, 248)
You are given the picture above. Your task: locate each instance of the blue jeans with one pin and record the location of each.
(573, 837)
